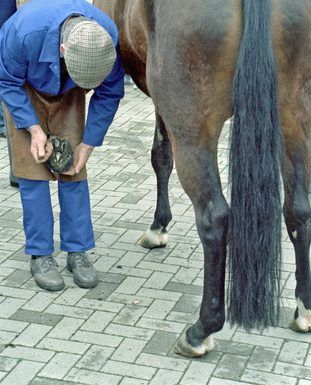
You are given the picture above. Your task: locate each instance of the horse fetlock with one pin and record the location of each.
(186, 349)
(154, 238)
(302, 321)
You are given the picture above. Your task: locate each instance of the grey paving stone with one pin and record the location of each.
(260, 378)
(166, 377)
(92, 378)
(23, 373)
(59, 365)
(101, 291)
(32, 335)
(188, 304)
(129, 331)
(294, 352)
(292, 370)
(97, 338)
(7, 364)
(197, 373)
(128, 350)
(161, 343)
(130, 314)
(133, 381)
(183, 288)
(230, 366)
(131, 370)
(159, 309)
(36, 317)
(95, 358)
(27, 353)
(263, 359)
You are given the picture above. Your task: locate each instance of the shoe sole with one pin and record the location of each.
(49, 288)
(83, 285)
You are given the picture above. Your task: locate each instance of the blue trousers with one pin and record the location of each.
(76, 231)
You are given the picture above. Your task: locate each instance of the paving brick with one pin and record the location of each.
(32, 335)
(292, 370)
(158, 280)
(36, 317)
(129, 331)
(92, 378)
(129, 315)
(159, 294)
(131, 370)
(11, 325)
(59, 365)
(221, 381)
(128, 350)
(166, 377)
(69, 311)
(16, 292)
(161, 343)
(108, 306)
(253, 339)
(95, 357)
(230, 366)
(97, 321)
(294, 352)
(159, 309)
(158, 361)
(130, 299)
(65, 328)
(23, 373)
(260, 378)
(7, 364)
(166, 326)
(63, 346)
(130, 285)
(10, 305)
(26, 353)
(133, 381)
(197, 373)
(97, 338)
(6, 337)
(263, 359)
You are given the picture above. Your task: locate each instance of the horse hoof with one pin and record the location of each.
(154, 238)
(302, 324)
(183, 348)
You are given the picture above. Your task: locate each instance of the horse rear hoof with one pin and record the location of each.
(154, 238)
(301, 325)
(302, 319)
(183, 348)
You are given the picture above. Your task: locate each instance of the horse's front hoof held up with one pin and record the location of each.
(154, 238)
(183, 348)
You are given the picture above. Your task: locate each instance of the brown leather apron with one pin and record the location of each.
(61, 115)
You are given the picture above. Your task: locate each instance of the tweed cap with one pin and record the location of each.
(90, 53)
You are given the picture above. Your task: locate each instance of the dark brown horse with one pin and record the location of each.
(203, 61)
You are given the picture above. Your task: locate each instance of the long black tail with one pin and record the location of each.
(256, 145)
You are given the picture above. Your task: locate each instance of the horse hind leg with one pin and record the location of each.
(198, 173)
(297, 214)
(162, 163)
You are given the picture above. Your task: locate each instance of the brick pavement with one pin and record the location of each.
(123, 331)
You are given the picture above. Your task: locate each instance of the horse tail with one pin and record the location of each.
(256, 147)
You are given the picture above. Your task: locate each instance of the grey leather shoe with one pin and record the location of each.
(84, 274)
(46, 274)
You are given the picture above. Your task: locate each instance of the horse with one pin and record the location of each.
(202, 62)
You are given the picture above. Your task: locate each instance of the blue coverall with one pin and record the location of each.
(29, 54)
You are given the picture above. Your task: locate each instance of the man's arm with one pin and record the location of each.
(13, 70)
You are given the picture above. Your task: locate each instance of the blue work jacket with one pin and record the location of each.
(29, 53)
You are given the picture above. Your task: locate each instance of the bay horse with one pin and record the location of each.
(202, 61)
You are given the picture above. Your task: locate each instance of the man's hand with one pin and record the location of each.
(81, 156)
(40, 148)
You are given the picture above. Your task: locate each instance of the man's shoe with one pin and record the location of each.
(84, 274)
(45, 273)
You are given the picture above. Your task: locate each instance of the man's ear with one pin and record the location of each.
(62, 48)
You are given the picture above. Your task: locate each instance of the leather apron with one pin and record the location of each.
(61, 115)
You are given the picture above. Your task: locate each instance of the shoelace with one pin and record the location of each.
(48, 263)
(81, 259)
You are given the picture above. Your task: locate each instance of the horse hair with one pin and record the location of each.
(256, 146)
